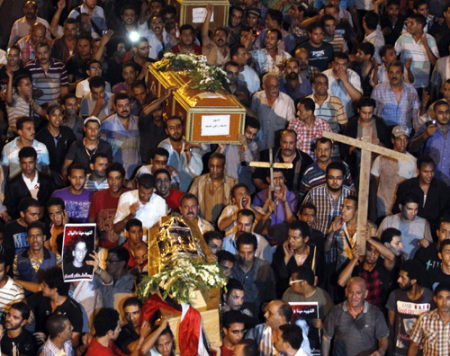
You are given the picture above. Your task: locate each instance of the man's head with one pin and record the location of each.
(323, 148)
(411, 273)
(76, 174)
(236, 16)
(134, 230)
(307, 213)
(292, 68)
(302, 55)
(25, 128)
(145, 184)
(187, 35)
(444, 253)
(132, 308)
(233, 327)
(116, 262)
(141, 254)
(92, 128)
(443, 231)
(165, 344)
(288, 338)
(234, 297)
(372, 254)
(246, 245)
(216, 165)
(395, 73)
(388, 54)
(13, 56)
(442, 112)
(84, 45)
(288, 142)
(159, 158)
(239, 54)
(214, 240)
(29, 10)
(28, 160)
(115, 175)
(17, 316)
(226, 261)
(366, 107)
(37, 33)
(320, 84)
(142, 48)
(301, 278)
(349, 208)
(335, 174)
(244, 221)
(445, 89)
(56, 210)
(393, 9)
(107, 323)
(128, 15)
(298, 235)
(3, 269)
(329, 25)
(174, 128)
(232, 70)
(53, 283)
(162, 182)
(315, 33)
(130, 71)
(332, 10)
(409, 206)
(370, 22)
(356, 292)
(59, 327)
(122, 105)
(279, 180)
(277, 313)
(97, 84)
(24, 87)
(425, 166)
(271, 85)
(29, 209)
(252, 127)
(54, 116)
(400, 138)
(220, 37)
(157, 25)
(415, 24)
(140, 92)
(305, 109)
(35, 236)
(392, 239)
(246, 347)
(253, 17)
(189, 206)
(99, 164)
(240, 194)
(442, 297)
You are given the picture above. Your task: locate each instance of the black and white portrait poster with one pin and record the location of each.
(304, 315)
(78, 244)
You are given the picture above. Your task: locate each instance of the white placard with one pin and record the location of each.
(199, 15)
(215, 125)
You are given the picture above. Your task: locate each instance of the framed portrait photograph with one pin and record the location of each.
(78, 244)
(303, 315)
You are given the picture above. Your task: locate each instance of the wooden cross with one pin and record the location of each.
(367, 148)
(271, 165)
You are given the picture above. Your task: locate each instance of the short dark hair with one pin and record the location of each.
(314, 25)
(27, 202)
(385, 48)
(321, 140)
(409, 198)
(367, 48)
(366, 101)
(425, 160)
(275, 15)
(105, 320)
(278, 32)
(353, 198)
(120, 96)
(336, 165)
(23, 308)
(250, 121)
(97, 82)
(53, 277)
(388, 234)
(133, 222)
(98, 155)
(419, 19)
(146, 181)
(232, 285)
(286, 311)
(41, 44)
(341, 55)
(217, 155)
(307, 205)
(371, 19)
(237, 186)
(223, 255)
(55, 324)
(396, 63)
(122, 253)
(27, 152)
(187, 27)
(138, 83)
(160, 151)
(247, 238)
(21, 120)
(305, 273)
(415, 270)
(292, 334)
(308, 103)
(132, 301)
(115, 167)
(67, 97)
(18, 79)
(235, 49)
(76, 166)
(250, 347)
(210, 235)
(36, 225)
(328, 17)
(231, 317)
(161, 170)
(442, 287)
(443, 244)
(188, 196)
(56, 201)
(393, 2)
(300, 225)
(246, 212)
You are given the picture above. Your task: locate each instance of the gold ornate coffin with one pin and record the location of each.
(214, 117)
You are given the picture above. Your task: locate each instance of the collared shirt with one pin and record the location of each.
(149, 213)
(263, 251)
(21, 28)
(430, 330)
(124, 142)
(265, 63)
(272, 118)
(302, 89)
(50, 81)
(336, 88)
(50, 349)
(332, 110)
(10, 156)
(250, 78)
(27, 48)
(88, 104)
(377, 39)
(393, 112)
(306, 135)
(98, 17)
(327, 208)
(93, 185)
(156, 47)
(407, 48)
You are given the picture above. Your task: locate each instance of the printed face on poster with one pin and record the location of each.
(304, 313)
(78, 244)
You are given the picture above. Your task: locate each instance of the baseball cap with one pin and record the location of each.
(256, 12)
(401, 130)
(92, 118)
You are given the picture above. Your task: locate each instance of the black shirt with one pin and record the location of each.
(150, 134)
(428, 256)
(320, 56)
(25, 343)
(127, 336)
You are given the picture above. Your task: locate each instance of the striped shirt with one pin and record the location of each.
(407, 48)
(338, 42)
(20, 107)
(327, 208)
(94, 185)
(10, 293)
(332, 110)
(430, 331)
(49, 82)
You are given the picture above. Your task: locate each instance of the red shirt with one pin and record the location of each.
(173, 199)
(225, 351)
(197, 49)
(97, 349)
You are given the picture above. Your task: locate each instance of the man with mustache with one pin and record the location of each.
(293, 84)
(216, 50)
(122, 132)
(158, 38)
(189, 211)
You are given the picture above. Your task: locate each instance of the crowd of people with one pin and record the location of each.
(84, 141)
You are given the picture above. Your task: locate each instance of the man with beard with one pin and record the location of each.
(213, 189)
(65, 45)
(189, 211)
(287, 153)
(16, 335)
(406, 304)
(293, 84)
(159, 40)
(315, 174)
(307, 126)
(122, 132)
(216, 51)
(183, 156)
(163, 189)
(97, 180)
(104, 205)
(69, 103)
(22, 26)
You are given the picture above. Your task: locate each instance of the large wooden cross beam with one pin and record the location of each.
(367, 148)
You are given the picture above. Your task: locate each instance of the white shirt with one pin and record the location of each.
(149, 214)
(32, 185)
(251, 78)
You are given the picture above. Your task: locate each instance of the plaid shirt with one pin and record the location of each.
(50, 349)
(373, 285)
(327, 208)
(306, 135)
(431, 331)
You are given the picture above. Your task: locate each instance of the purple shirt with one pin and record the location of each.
(77, 206)
(279, 215)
